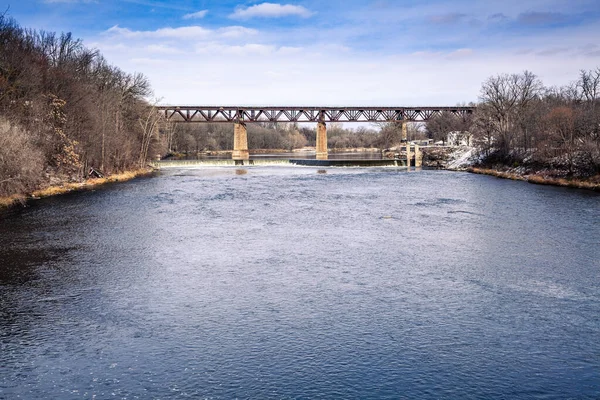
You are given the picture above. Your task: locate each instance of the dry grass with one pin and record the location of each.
(56, 190)
(497, 174)
(591, 184)
(573, 183)
(10, 201)
(90, 183)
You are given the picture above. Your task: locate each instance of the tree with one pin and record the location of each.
(21, 162)
(439, 126)
(589, 83)
(509, 97)
(75, 108)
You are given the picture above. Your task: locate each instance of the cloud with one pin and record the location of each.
(523, 52)
(285, 76)
(249, 49)
(553, 51)
(450, 18)
(461, 53)
(589, 47)
(245, 50)
(534, 18)
(498, 17)
(196, 15)
(270, 10)
(184, 32)
(289, 63)
(163, 49)
(454, 55)
(234, 32)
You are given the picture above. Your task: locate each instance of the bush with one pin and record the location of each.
(21, 162)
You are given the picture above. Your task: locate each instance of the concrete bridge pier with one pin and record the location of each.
(404, 131)
(408, 154)
(418, 156)
(321, 140)
(240, 142)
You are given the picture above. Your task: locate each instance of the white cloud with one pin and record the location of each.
(163, 49)
(149, 62)
(288, 50)
(184, 33)
(270, 10)
(251, 48)
(196, 15)
(248, 50)
(461, 53)
(234, 32)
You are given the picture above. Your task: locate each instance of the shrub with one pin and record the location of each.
(21, 162)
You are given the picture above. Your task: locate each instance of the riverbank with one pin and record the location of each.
(541, 178)
(468, 159)
(54, 190)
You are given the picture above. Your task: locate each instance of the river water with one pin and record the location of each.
(301, 283)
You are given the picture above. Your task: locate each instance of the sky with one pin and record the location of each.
(327, 52)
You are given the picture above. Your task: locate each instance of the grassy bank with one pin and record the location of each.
(87, 184)
(592, 183)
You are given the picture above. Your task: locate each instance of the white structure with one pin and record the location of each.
(458, 138)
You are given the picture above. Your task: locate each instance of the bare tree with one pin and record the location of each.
(439, 126)
(508, 98)
(21, 163)
(589, 83)
(148, 123)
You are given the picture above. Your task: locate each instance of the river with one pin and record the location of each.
(302, 283)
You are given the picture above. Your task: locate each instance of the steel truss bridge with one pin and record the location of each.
(243, 114)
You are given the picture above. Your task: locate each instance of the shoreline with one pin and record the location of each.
(55, 190)
(539, 179)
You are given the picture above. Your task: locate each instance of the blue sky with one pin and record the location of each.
(370, 52)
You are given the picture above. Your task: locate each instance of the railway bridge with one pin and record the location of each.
(241, 115)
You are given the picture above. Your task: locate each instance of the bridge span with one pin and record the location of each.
(240, 115)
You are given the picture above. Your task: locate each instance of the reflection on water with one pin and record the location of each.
(303, 283)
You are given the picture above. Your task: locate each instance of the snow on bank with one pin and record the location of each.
(462, 158)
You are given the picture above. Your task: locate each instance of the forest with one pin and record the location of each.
(520, 121)
(66, 111)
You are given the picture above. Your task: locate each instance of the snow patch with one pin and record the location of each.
(462, 158)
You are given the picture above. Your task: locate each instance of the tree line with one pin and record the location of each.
(65, 109)
(520, 121)
(196, 138)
